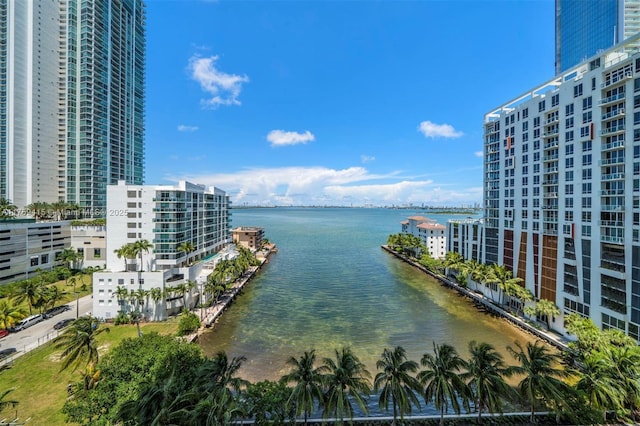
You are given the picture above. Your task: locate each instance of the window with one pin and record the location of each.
(586, 230)
(568, 203)
(586, 117)
(586, 160)
(568, 123)
(584, 132)
(555, 100)
(586, 202)
(568, 162)
(568, 110)
(536, 122)
(577, 90)
(568, 135)
(586, 146)
(586, 216)
(568, 176)
(34, 261)
(586, 174)
(541, 106)
(131, 194)
(525, 113)
(525, 181)
(568, 189)
(97, 253)
(568, 149)
(587, 103)
(525, 126)
(586, 188)
(44, 258)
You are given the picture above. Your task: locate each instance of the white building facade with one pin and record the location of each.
(167, 217)
(562, 189)
(466, 236)
(431, 233)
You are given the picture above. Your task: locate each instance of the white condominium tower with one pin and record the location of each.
(71, 99)
(562, 189)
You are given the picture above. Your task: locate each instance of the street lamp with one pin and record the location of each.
(77, 304)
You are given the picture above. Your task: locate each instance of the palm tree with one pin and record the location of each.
(541, 378)
(7, 209)
(442, 379)
(39, 210)
(122, 294)
(59, 209)
(181, 290)
(140, 247)
(10, 315)
(504, 278)
(186, 247)
(218, 376)
(69, 256)
(125, 252)
(485, 374)
(29, 290)
(78, 343)
(156, 296)
(598, 385)
(453, 260)
(6, 403)
(543, 307)
(308, 383)
(346, 379)
(396, 382)
(53, 295)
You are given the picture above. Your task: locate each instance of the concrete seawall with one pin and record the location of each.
(487, 304)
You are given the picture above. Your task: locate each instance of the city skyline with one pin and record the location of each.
(357, 103)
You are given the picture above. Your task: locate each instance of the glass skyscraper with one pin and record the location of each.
(587, 27)
(71, 99)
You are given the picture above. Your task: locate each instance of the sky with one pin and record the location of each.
(341, 103)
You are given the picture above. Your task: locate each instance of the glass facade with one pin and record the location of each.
(583, 28)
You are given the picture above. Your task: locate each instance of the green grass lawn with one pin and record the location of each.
(39, 386)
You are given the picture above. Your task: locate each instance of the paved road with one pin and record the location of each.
(42, 332)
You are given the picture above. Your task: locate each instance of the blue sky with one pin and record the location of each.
(335, 102)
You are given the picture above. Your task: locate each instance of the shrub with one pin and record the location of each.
(188, 323)
(122, 318)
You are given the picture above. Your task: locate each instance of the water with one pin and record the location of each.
(331, 285)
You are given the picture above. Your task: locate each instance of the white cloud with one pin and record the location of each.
(185, 128)
(433, 130)
(325, 186)
(479, 154)
(223, 88)
(367, 158)
(281, 137)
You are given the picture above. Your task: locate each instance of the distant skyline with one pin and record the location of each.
(336, 102)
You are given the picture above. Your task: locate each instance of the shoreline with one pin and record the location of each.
(487, 305)
(211, 314)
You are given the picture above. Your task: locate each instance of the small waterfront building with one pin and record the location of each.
(90, 242)
(248, 236)
(27, 246)
(430, 232)
(466, 236)
(172, 218)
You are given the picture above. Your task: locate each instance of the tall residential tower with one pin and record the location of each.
(71, 99)
(586, 27)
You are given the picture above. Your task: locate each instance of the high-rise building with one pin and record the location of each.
(584, 28)
(562, 190)
(72, 75)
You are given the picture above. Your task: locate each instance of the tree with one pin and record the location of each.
(218, 378)
(546, 308)
(485, 377)
(140, 247)
(453, 260)
(156, 296)
(346, 379)
(30, 290)
(541, 381)
(10, 314)
(505, 280)
(442, 379)
(125, 252)
(7, 209)
(266, 403)
(78, 343)
(187, 248)
(40, 210)
(308, 383)
(70, 257)
(52, 295)
(598, 385)
(122, 294)
(396, 383)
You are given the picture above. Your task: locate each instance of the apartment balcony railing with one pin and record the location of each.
(613, 145)
(609, 161)
(550, 195)
(550, 182)
(551, 132)
(611, 114)
(613, 176)
(612, 129)
(612, 207)
(552, 169)
(612, 239)
(611, 223)
(613, 98)
(617, 79)
(551, 157)
(552, 144)
(610, 192)
(551, 120)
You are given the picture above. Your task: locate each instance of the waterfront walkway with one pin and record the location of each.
(489, 305)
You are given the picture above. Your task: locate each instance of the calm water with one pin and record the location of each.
(331, 285)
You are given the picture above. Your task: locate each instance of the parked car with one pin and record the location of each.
(55, 311)
(6, 352)
(3, 333)
(62, 324)
(28, 322)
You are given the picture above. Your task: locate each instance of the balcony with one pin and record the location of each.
(613, 176)
(611, 192)
(610, 161)
(613, 145)
(611, 223)
(612, 239)
(550, 182)
(552, 144)
(616, 80)
(612, 129)
(552, 169)
(551, 120)
(550, 132)
(551, 157)
(612, 114)
(550, 195)
(613, 98)
(612, 207)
